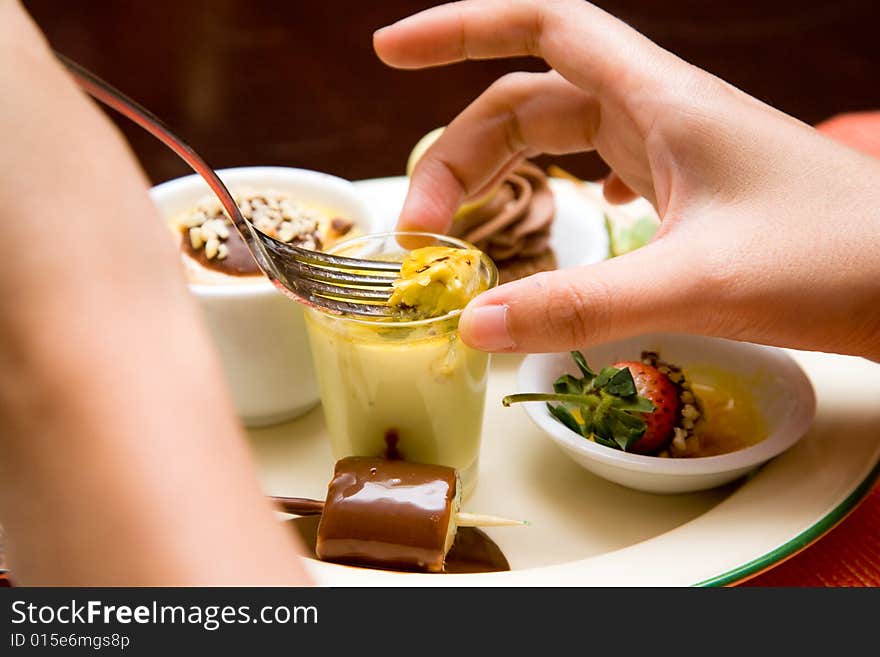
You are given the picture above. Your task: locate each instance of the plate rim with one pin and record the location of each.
(802, 541)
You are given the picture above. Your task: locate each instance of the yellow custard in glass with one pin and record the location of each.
(435, 280)
(407, 386)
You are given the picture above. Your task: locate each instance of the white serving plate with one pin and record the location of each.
(586, 531)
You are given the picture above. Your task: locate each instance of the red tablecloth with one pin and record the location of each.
(848, 555)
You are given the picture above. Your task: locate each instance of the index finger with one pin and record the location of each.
(582, 42)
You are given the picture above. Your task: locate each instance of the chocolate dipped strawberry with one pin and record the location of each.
(660, 424)
(634, 406)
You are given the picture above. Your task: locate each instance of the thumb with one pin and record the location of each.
(656, 288)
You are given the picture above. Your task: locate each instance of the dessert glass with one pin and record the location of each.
(401, 389)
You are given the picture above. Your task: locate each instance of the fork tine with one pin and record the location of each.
(348, 308)
(332, 261)
(340, 277)
(334, 303)
(337, 291)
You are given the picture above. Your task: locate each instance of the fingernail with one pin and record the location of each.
(486, 328)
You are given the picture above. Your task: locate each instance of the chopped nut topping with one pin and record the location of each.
(272, 213)
(690, 412)
(685, 440)
(221, 229)
(340, 227)
(195, 237)
(212, 247)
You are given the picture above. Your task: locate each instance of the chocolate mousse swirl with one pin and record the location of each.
(514, 223)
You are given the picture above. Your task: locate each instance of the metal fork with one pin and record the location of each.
(336, 283)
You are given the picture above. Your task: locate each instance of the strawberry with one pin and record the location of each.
(631, 405)
(652, 384)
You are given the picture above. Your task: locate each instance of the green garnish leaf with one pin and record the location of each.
(624, 237)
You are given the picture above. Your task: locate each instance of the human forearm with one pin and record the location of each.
(123, 464)
(121, 461)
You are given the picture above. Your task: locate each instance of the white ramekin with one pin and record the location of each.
(259, 333)
(783, 394)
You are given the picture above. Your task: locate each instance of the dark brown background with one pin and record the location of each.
(295, 82)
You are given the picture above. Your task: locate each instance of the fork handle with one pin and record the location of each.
(112, 97)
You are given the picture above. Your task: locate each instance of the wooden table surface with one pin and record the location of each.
(251, 82)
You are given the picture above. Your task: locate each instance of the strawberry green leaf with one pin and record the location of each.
(604, 407)
(588, 401)
(601, 428)
(606, 442)
(621, 438)
(582, 364)
(563, 415)
(621, 384)
(634, 404)
(625, 428)
(567, 384)
(605, 375)
(628, 419)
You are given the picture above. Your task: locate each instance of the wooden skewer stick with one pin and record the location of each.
(299, 506)
(463, 519)
(303, 506)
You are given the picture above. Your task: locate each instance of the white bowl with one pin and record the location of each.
(259, 333)
(782, 393)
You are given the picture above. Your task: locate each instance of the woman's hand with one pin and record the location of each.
(770, 230)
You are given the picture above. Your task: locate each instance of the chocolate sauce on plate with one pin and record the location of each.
(472, 552)
(392, 437)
